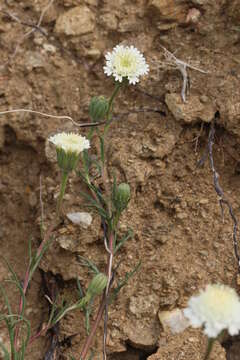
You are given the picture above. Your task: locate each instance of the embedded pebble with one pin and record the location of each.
(173, 320)
(80, 218)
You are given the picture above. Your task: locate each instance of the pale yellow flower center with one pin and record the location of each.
(126, 62)
(218, 299)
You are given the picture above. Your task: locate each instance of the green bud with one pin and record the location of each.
(97, 285)
(98, 108)
(67, 161)
(122, 196)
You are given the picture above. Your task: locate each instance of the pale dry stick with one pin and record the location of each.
(24, 23)
(182, 67)
(51, 116)
(66, 117)
(29, 32)
(221, 196)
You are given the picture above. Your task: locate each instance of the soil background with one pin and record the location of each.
(154, 144)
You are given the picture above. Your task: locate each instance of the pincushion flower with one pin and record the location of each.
(70, 142)
(126, 62)
(69, 146)
(217, 308)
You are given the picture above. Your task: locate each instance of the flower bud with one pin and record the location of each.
(122, 196)
(97, 285)
(98, 108)
(67, 161)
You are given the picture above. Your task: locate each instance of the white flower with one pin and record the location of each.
(70, 142)
(216, 308)
(125, 62)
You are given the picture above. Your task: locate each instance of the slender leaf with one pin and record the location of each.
(120, 243)
(124, 281)
(6, 300)
(36, 259)
(102, 149)
(88, 312)
(80, 290)
(93, 204)
(87, 263)
(19, 286)
(15, 277)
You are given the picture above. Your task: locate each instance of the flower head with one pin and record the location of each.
(216, 308)
(70, 142)
(69, 146)
(125, 62)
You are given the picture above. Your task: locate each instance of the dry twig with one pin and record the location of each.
(221, 197)
(34, 28)
(182, 66)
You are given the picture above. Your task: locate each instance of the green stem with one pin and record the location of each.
(62, 191)
(114, 94)
(209, 347)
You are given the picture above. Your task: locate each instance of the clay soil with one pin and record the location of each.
(179, 233)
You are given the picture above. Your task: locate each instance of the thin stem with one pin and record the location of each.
(62, 192)
(27, 275)
(110, 265)
(114, 94)
(89, 339)
(209, 347)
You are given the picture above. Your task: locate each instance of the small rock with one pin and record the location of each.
(182, 215)
(144, 305)
(162, 238)
(50, 48)
(142, 335)
(128, 24)
(193, 16)
(204, 99)
(169, 9)
(34, 60)
(173, 320)
(93, 53)
(80, 218)
(203, 253)
(169, 299)
(164, 26)
(191, 111)
(66, 242)
(77, 21)
(203, 201)
(109, 21)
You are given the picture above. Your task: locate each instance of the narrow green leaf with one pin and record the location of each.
(6, 300)
(102, 149)
(19, 286)
(36, 260)
(87, 263)
(80, 290)
(15, 277)
(120, 243)
(124, 281)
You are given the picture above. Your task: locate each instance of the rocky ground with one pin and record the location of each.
(179, 233)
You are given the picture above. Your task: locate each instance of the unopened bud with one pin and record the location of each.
(122, 196)
(98, 108)
(97, 285)
(67, 161)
